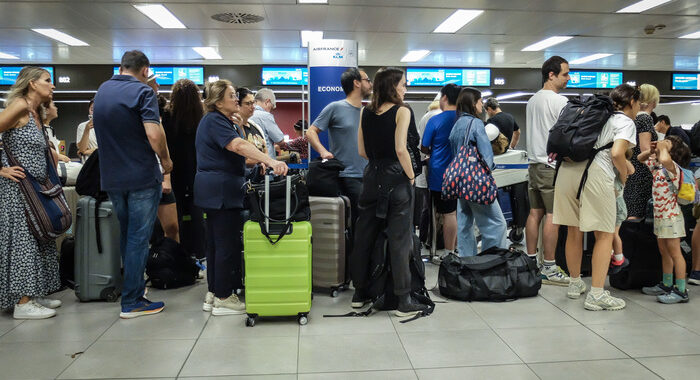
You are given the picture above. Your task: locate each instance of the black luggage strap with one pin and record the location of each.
(584, 177)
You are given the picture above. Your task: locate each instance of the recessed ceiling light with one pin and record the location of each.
(160, 15)
(457, 20)
(486, 93)
(642, 6)
(310, 35)
(415, 55)
(207, 52)
(691, 35)
(548, 42)
(7, 56)
(590, 58)
(312, 1)
(61, 37)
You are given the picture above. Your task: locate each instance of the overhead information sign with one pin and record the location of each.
(168, 75)
(285, 76)
(594, 79)
(9, 74)
(685, 81)
(441, 77)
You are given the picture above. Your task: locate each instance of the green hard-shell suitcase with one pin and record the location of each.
(277, 272)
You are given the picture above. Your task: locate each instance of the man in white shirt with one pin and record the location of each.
(265, 102)
(543, 110)
(85, 137)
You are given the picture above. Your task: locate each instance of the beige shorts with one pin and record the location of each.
(665, 228)
(596, 209)
(541, 187)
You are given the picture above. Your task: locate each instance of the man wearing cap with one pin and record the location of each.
(503, 121)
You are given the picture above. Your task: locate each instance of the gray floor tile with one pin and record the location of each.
(449, 348)
(452, 316)
(71, 304)
(532, 312)
(113, 359)
(332, 353)
(377, 323)
(233, 326)
(7, 324)
(244, 377)
(165, 325)
(667, 311)
(510, 372)
(650, 339)
(675, 367)
(619, 369)
(188, 298)
(64, 327)
(573, 343)
(633, 312)
(242, 356)
(370, 375)
(34, 361)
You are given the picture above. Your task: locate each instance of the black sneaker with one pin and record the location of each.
(360, 299)
(617, 266)
(409, 307)
(657, 290)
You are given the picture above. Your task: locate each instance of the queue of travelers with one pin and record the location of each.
(194, 154)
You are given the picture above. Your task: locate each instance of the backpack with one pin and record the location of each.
(170, 266)
(496, 274)
(323, 177)
(687, 193)
(694, 135)
(576, 132)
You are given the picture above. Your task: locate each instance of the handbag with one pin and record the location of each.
(45, 207)
(323, 177)
(468, 177)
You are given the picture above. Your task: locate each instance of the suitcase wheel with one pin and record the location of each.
(250, 321)
(303, 319)
(334, 292)
(110, 294)
(516, 235)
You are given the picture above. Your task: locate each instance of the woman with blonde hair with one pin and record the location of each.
(28, 268)
(218, 190)
(638, 188)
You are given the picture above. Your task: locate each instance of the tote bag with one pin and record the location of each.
(468, 177)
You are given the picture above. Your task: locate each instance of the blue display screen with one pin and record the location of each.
(285, 76)
(8, 74)
(168, 75)
(686, 82)
(594, 79)
(441, 77)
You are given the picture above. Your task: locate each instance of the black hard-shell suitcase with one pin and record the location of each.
(586, 258)
(97, 251)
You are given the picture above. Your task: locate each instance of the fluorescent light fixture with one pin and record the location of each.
(415, 55)
(61, 37)
(512, 95)
(207, 52)
(312, 1)
(642, 6)
(589, 58)
(7, 56)
(486, 93)
(548, 42)
(457, 20)
(310, 35)
(691, 35)
(160, 15)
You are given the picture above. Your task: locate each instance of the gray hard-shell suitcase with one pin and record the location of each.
(330, 220)
(97, 264)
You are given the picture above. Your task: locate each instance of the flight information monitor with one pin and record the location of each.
(8, 74)
(685, 81)
(594, 79)
(168, 75)
(285, 76)
(443, 76)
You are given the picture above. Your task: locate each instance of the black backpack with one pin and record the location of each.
(322, 178)
(493, 275)
(576, 131)
(694, 135)
(170, 266)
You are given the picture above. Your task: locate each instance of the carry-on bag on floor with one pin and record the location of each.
(330, 220)
(586, 257)
(277, 256)
(97, 251)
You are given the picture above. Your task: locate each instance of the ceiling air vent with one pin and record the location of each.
(237, 18)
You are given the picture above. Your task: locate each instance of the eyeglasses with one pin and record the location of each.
(367, 79)
(248, 103)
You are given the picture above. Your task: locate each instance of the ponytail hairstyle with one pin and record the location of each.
(623, 95)
(384, 87)
(649, 94)
(680, 153)
(466, 101)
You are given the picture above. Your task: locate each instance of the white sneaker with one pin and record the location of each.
(554, 276)
(603, 302)
(48, 302)
(208, 302)
(229, 306)
(32, 310)
(576, 288)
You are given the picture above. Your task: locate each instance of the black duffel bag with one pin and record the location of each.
(169, 266)
(323, 177)
(299, 200)
(494, 275)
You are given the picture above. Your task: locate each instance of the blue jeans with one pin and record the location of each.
(489, 219)
(136, 211)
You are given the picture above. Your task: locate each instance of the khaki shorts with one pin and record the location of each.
(540, 187)
(596, 209)
(665, 228)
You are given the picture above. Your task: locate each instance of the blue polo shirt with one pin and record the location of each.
(437, 137)
(220, 176)
(127, 161)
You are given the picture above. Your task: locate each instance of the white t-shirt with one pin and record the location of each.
(543, 110)
(618, 127)
(92, 139)
(421, 179)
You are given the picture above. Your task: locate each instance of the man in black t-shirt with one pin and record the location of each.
(503, 121)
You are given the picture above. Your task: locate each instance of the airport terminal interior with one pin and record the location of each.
(298, 49)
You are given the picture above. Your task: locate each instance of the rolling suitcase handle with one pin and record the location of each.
(287, 229)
